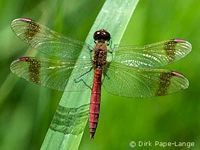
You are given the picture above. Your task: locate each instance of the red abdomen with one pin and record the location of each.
(95, 101)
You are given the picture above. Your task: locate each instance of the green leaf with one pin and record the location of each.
(71, 117)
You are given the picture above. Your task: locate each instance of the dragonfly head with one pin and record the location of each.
(101, 36)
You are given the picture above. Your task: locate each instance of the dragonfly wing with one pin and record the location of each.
(54, 74)
(153, 55)
(47, 40)
(126, 81)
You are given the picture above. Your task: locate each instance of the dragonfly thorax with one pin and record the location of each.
(100, 54)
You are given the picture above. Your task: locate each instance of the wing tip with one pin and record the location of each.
(185, 83)
(16, 22)
(185, 44)
(22, 19)
(21, 59)
(177, 74)
(18, 60)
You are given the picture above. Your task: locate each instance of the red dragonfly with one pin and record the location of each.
(130, 72)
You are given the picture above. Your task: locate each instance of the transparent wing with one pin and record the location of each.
(126, 81)
(153, 55)
(47, 40)
(54, 74)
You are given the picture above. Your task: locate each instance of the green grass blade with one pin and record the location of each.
(71, 117)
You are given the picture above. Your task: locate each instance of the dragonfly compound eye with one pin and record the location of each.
(101, 35)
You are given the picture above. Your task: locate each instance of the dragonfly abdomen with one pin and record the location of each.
(95, 101)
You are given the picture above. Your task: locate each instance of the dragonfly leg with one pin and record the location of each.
(78, 79)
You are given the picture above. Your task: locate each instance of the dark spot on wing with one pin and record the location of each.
(164, 83)
(34, 69)
(170, 48)
(32, 29)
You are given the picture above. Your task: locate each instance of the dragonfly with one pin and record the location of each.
(132, 71)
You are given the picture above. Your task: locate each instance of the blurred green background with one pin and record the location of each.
(26, 110)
